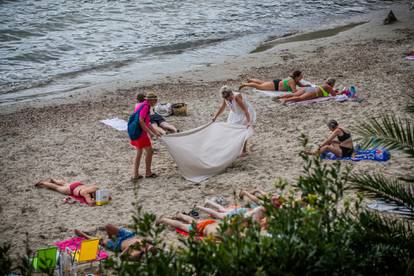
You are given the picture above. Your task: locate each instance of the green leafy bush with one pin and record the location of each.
(322, 234)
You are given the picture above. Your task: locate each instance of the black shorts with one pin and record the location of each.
(346, 152)
(156, 119)
(276, 83)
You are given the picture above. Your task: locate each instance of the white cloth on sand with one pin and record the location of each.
(116, 123)
(207, 150)
(237, 115)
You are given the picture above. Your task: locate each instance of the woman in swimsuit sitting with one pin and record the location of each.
(341, 148)
(308, 93)
(76, 189)
(289, 84)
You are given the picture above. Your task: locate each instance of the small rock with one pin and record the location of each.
(390, 18)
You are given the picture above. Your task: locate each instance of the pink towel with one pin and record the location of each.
(316, 100)
(72, 198)
(74, 243)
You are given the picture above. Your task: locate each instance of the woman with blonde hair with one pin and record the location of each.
(241, 111)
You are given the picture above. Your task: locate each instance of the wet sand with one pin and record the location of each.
(63, 138)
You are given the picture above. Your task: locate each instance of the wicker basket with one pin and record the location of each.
(179, 109)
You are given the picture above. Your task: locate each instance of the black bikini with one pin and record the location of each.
(346, 152)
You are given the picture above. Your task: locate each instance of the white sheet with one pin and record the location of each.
(207, 150)
(116, 123)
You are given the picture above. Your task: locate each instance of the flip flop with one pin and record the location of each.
(133, 179)
(152, 175)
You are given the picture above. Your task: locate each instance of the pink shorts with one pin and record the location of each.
(142, 142)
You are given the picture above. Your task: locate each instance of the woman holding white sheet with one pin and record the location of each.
(241, 111)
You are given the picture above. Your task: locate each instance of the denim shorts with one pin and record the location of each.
(123, 235)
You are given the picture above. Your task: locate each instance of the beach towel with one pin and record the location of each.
(311, 101)
(74, 243)
(207, 150)
(75, 199)
(186, 234)
(374, 154)
(116, 123)
(390, 207)
(268, 93)
(410, 57)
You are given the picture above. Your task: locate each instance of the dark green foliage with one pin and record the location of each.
(5, 260)
(320, 234)
(390, 132)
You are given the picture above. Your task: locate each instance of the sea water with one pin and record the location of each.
(51, 47)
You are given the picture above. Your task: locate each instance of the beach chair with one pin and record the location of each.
(46, 260)
(87, 253)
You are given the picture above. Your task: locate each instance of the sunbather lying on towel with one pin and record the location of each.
(207, 227)
(76, 189)
(343, 147)
(158, 122)
(289, 84)
(308, 93)
(221, 212)
(122, 240)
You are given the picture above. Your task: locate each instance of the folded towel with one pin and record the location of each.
(74, 244)
(116, 123)
(374, 154)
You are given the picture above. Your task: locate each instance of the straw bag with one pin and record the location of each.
(179, 109)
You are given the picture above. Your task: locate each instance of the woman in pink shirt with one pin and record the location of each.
(143, 143)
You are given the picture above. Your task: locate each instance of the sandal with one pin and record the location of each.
(152, 175)
(134, 179)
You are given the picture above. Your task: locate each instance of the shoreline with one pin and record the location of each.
(101, 91)
(64, 139)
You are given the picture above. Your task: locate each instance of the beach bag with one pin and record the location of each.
(134, 128)
(164, 109)
(179, 109)
(103, 196)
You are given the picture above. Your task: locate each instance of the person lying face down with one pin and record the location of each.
(308, 93)
(206, 227)
(122, 240)
(288, 84)
(76, 189)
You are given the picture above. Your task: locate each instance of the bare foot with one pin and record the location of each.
(241, 194)
(242, 86)
(159, 220)
(244, 154)
(39, 184)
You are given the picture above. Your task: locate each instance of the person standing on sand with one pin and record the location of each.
(143, 143)
(289, 84)
(241, 111)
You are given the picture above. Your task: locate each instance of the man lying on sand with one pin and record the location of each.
(308, 93)
(121, 240)
(76, 189)
(207, 227)
(222, 212)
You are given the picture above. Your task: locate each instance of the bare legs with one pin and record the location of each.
(303, 97)
(258, 84)
(159, 129)
(334, 148)
(168, 126)
(182, 221)
(148, 162)
(55, 185)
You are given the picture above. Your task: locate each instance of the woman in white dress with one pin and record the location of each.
(241, 111)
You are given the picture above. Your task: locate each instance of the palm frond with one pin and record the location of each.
(390, 132)
(377, 186)
(386, 229)
(410, 108)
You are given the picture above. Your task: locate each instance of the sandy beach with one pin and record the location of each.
(63, 138)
